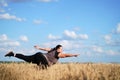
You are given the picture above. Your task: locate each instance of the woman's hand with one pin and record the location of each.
(44, 49)
(36, 46)
(76, 55)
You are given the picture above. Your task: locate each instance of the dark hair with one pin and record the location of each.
(55, 48)
(58, 46)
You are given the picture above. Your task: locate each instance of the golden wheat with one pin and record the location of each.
(69, 71)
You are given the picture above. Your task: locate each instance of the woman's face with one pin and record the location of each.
(59, 50)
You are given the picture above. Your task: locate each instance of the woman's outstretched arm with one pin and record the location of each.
(44, 49)
(64, 55)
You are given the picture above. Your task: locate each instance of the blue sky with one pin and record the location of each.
(90, 28)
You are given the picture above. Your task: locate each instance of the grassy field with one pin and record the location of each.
(68, 71)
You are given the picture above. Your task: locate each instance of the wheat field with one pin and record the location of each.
(68, 71)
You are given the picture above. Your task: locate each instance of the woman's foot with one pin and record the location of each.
(9, 54)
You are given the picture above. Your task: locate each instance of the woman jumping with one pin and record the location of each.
(45, 59)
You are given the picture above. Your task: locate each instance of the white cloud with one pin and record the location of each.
(76, 28)
(24, 38)
(3, 3)
(115, 42)
(73, 35)
(118, 28)
(71, 45)
(18, 1)
(111, 52)
(2, 10)
(7, 16)
(70, 34)
(111, 41)
(38, 22)
(69, 39)
(107, 39)
(4, 41)
(83, 36)
(52, 37)
(25, 51)
(9, 43)
(3, 37)
(3, 49)
(97, 49)
(47, 0)
(68, 45)
(12, 43)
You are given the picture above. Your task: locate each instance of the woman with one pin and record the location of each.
(47, 59)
